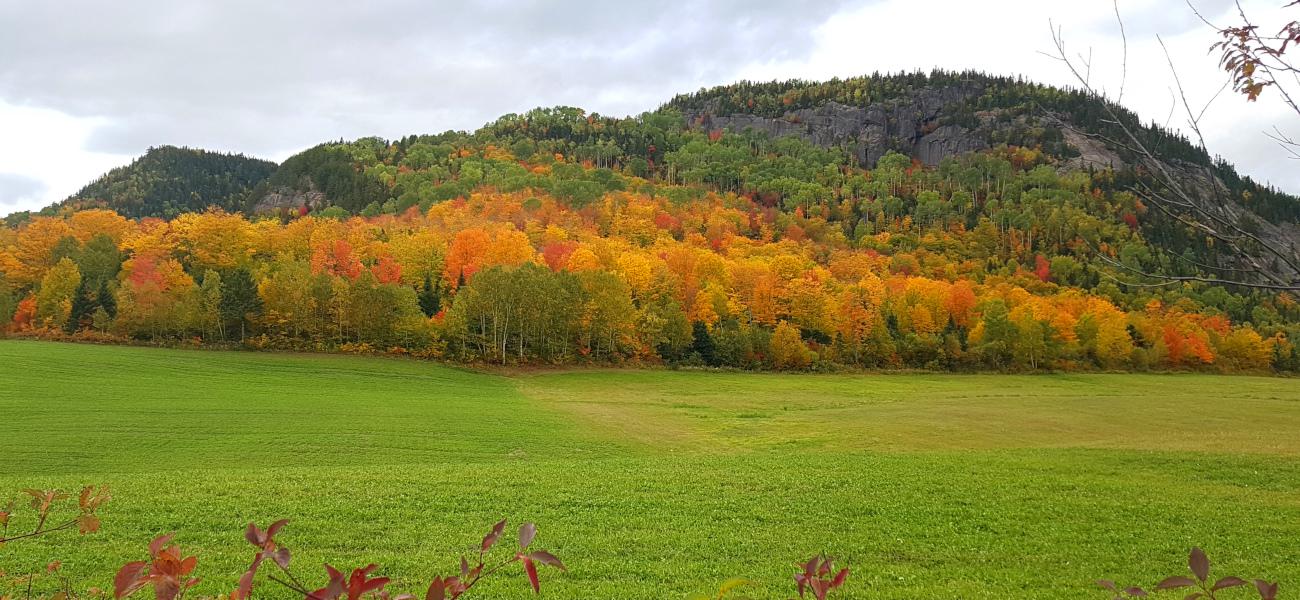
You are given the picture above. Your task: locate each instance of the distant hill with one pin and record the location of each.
(792, 131)
(941, 115)
(934, 118)
(942, 220)
(168, 180)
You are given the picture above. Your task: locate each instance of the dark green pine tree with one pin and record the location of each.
(430, 302)
(82, 308)
(106, 300)
(702, 344)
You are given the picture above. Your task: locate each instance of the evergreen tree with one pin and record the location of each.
(83, 307)
(702, 344)
(430, 302)
(106, 300)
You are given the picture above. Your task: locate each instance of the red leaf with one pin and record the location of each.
(436, 590)
(1135, 591)
(281, 557)
(531, 569)
(157, 544)
(1267, 591)
(254, 535)
(547, 559)
(333, 589)
(333, 573)
(187, 565)
(245, 585)
(819, 588)
(1106, 583)
(840, 577)
(1172, 583)
(166, 589)
(1199, 563)
(375, 584)
(127, 580)
(1228, 582)
(492, 537)
(526, 533)
(271, 531)
(87, 523)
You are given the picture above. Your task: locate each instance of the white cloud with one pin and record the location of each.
(86, 85)
(42, 156)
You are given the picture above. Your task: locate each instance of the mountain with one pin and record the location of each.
(782, 135)
(939, 220)
(943, 115)
(936, 118)
(167, 181)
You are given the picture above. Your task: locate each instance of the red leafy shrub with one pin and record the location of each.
(171, 574)
(818, 577)
(358, 583)
(45, 502)
(167, 571)
(1202, 586)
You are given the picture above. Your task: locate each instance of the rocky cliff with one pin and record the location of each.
(911, 125)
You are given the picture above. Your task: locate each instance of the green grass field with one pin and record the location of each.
(651, 484)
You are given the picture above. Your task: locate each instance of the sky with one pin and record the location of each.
(86, 86)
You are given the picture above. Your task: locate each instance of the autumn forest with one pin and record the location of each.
(550, 238)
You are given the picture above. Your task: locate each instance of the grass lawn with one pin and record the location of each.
(651, 484)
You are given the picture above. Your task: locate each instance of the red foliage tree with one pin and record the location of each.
(1042, 268)
(387, 270)
(336, 259)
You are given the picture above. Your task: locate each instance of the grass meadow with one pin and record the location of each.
(652, 484)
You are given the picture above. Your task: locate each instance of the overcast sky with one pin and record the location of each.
(87, 85)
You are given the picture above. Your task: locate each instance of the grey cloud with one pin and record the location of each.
(1167, 19)
(17, 190)
(263, 77)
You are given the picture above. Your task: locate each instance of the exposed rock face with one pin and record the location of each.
(287, 198)
(908, 125)
(947, 140)
(912, 125)
(1207, 190)
(1092, 153)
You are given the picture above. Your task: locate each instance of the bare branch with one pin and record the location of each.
(1288, 145)
(1178, 203)
(1123, 37)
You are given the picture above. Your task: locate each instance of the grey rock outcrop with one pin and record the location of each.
(908, 125)
(291, 199)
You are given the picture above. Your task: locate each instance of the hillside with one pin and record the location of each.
(944, 115)
(691, 235)
(931, 118)
(167, 181)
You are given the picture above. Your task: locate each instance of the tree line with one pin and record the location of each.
(987, 261)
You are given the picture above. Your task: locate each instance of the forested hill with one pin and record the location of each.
(794, 144)
(167, 181)
(941, 221)
(943, 115)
